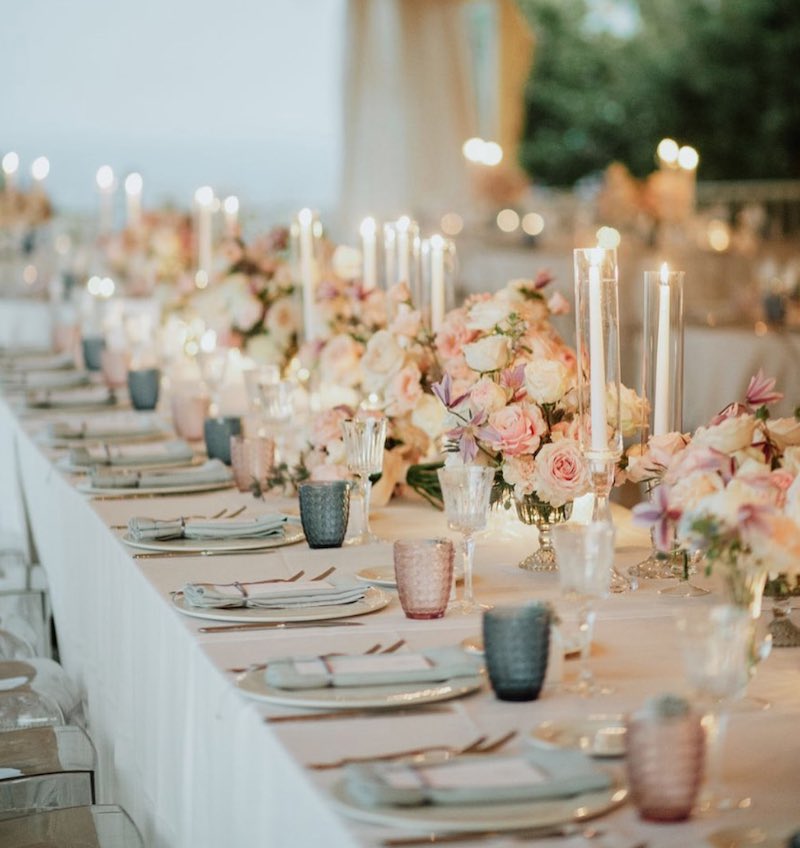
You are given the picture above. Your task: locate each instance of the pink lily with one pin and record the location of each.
(444, 391)
(761, 391)
(658, 515)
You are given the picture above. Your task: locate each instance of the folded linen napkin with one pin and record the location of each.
(212, 471)
(535, 775)
(51, 362)
(430, 666)
(54, 379)
(262, 526)
(104, 428)
(266, 595)
(75, 398)
(165, 453)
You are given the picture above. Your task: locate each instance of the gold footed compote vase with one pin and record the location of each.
(537, 513)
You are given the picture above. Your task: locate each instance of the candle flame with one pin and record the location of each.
(231, 204)
(368, 227)
(403, 223)
(305, 216)
(133, 183)
(204, 196)
(664, 273)
(105, 177)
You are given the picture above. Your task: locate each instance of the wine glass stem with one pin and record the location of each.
(715, 723)
(586, 616)
(469, 555)
(365, 485)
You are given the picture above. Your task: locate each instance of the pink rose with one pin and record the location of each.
(406, 322)
(330, 472)
(516, 429)
(487, 395)
(558, 304)
(327, 426)
(404, 390)
(561, 474)
(453, 335)
(339, 360)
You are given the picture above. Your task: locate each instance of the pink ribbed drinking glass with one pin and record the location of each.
(423, 570)
(252, 460)
(189, 411)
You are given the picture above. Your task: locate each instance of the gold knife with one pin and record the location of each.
(204, 553)
(360, 712)
(279, 625)
(543, 832)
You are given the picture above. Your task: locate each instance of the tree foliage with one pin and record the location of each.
(720, 75)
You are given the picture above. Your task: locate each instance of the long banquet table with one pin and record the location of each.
(194, 762)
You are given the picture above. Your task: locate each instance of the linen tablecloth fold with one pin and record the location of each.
(272, 595)
(167, 453)
(212, 471)
(430, 666)
(143, 529)
(535, 775)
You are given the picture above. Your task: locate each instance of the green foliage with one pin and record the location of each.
(716, 74)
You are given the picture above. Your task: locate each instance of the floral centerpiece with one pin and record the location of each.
(252, 305)
(730, 492)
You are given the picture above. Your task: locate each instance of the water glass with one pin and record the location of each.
(364, 442)
(324, 510)
(214, 368)
(665, 756)
(252, 460)
(217, 433)
(585, 556)
(115, 364)
(189, 411)
(255, 378)
(423, 570)
(516, 643)
(93, 347)
(715, 644)
(143, 386)
(466, 490)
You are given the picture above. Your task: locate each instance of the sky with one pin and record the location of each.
(243, 95)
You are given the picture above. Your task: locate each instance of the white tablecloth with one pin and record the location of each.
(195, 764)
(25, 323)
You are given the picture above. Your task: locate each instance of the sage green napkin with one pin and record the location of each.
(130, 427)
(165, 453)
(54, 379)
(70, 399)
(262, 526)
(537, 774)
(431, 666)
(212, 471)
(52, 362)
(270, 595)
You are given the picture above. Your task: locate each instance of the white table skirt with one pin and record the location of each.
(193, 761)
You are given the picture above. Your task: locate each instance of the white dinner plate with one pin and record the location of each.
(595, 735)
(252, 684)
(474, 645)
(383, 575)
(86, 487)
(457, 817)
(292, 534)
(372, 601)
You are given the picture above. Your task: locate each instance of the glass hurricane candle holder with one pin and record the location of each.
(402, 254)
(305, 238)
(439, 266)
(662, 381)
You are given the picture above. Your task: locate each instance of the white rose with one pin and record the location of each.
(382, 359)
(282, 318)
(546, 380)
(487, 314)
(785, 432)
(346, 262)
(264, 350)
(488, 354)
(429, 416)
(731, 435)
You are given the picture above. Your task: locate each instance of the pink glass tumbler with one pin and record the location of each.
(423, 570)
(189, 412)
(665, 757)
(252, 460)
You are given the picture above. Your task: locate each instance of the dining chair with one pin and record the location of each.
(105, 826)
(37, 691)
(44, 768)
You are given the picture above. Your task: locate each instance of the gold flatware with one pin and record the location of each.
(365, 712)
(521, 833)
(396, 646)
(203, 553)
(324, 574)
(280, 625)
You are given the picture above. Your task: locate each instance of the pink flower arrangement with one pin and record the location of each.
(730, 491)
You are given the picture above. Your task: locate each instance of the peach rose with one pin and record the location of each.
(516, 429)
(339, 361)
(327, 426)
(561, 473)
(486, 395)
(404, 390)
